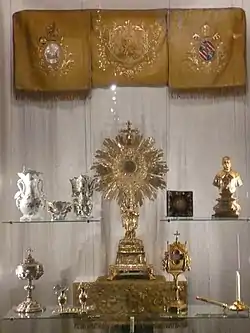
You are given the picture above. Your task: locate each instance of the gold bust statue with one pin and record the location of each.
(227, 181)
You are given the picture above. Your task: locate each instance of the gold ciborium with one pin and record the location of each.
(176, 261)
(129, 169)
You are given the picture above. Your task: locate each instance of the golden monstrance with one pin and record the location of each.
(129, 169)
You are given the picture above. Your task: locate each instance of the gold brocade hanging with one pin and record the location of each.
(207, 48)
(129, 48)
(52, 52)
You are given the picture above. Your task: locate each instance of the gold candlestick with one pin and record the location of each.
(238, 306)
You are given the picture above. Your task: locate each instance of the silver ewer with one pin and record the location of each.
(82, 195)
(30, 198)
(59, 210)
(29, 270)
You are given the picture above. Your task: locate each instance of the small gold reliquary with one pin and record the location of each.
(176, 261)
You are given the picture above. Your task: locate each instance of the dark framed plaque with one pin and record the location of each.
(180, 203)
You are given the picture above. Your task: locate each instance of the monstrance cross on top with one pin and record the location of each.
(129, 131)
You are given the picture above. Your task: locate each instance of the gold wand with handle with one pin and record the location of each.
(236, 306)
(210, 301)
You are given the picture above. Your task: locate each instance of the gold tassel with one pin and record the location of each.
(208, 93)
(52, 96)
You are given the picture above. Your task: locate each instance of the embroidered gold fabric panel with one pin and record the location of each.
(129, 48)
(207, 48)
(51, 51)
(118, 299)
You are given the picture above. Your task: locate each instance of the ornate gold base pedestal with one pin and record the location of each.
(226, 208)
(119, 299)
(131, 261)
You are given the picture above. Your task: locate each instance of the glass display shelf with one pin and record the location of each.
(86, 220)
(164, 219)
(204, 219)
(200, 319)
(194, 312)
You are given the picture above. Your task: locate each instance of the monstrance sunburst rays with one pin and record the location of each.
(130, 166)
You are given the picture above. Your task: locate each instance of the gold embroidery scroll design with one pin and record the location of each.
(128, 47)
(207, 53)
(54, 56)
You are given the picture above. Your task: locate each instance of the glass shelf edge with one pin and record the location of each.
(194, 312)
(87, 220)
(203, 219)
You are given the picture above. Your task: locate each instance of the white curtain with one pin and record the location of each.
(60, 139)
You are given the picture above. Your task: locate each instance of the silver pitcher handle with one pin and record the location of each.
(21, 186)
(19, 195)
(41, 192)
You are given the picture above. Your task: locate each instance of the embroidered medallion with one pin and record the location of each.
(207, 51)
(128, 47)
(53, 53)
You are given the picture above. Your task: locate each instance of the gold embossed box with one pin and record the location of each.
(207, 48)
(129, 48)
(180, 203)
(51, 51)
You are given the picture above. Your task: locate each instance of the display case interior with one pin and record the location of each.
(201, 319)
(84, 244)
(214, 259)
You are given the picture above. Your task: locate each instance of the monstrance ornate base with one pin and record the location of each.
(226, 208)
(131, 261)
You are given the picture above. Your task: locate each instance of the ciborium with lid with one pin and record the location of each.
(129, 169)
(29, 270)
